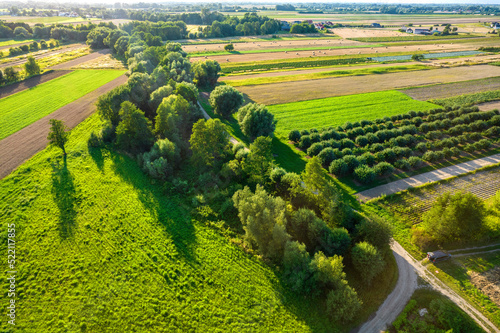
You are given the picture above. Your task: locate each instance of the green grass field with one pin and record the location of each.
(410, 38)
(334, 111)
(20, 110)
(328, 74)
(7, 42)
(101, 248)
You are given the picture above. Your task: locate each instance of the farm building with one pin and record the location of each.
(417, 31)
(376, 25)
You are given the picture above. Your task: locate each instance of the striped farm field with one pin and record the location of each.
(20, 110)
(334, 111)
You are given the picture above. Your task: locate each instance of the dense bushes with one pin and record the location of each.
(441, 134)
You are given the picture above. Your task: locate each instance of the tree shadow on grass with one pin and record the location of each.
(64, 194)
(286, 157)
(96, 154)
(167, 210)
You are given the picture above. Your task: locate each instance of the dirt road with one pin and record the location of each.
(30, 83)
(428, 177)
(287, 92)
(22, 145)
(397, 299)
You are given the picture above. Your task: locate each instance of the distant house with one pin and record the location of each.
(495, 25)
(376, 25)
(418, 31)
(285, 25)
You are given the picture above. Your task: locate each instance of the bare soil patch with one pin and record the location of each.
(236, 58)
(22, 145)
(495, 105)
(286, 92)
(30, 83)
(81, 60)
(489, 283)
(453, 89)
(103, 62)
(362, 33)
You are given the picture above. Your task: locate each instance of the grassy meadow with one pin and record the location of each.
(100, 247)
(7, 42)
(335, 111)
(24, 108)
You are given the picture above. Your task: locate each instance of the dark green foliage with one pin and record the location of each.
(255, 120)
(208, 142)
(206, 73)
(339, 168)
(375, 230)
(364, 174)
(326, 156)
(351, 161)
(305, 142)
(315, 149)
(95, 39)
(294, 136)
(367, 260)
(457, 217)
(58, 135)
(133, 132)
(383, 168)
(108, 105)
(11, 75)
(225, 100)
(31, 67)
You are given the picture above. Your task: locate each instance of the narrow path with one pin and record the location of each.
(22, 145)
(207, 116)
(428, 177)
(81, 60)
(397, 299)
(408, 269)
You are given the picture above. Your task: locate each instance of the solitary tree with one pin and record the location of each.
(225, 100)
(57, 134)
(255, 120)
(31, 66)
(206, 72)
(417, 57)
(11, 74)
(229, 47)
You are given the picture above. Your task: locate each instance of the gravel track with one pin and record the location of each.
(22, 145)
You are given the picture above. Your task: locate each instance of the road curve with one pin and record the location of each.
(397, 299)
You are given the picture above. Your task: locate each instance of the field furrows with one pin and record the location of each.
(413, 204)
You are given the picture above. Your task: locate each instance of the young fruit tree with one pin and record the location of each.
(58, 135)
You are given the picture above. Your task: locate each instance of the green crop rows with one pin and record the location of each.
(24, 108)
(335, 111)
(101, 248)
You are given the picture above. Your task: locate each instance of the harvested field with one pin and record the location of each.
(30, 83)
(489, 106)
(280, 93)
(103, 62)
(489, 283)
(22, 145)
(271, 45)
(363, 33)
(81, 60)
(22, 109)
(237, 58)
(453, 89)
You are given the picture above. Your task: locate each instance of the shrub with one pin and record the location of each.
(421, 146)
(315, 149)
(326, 156)
(455, 151)
(376, 148)
(429, 156)
(347, 143)
(347, 151)
(447, 152)
(237, 147)
(339, 168)
(351, 161)
(315, 137)
(225, 100)
(304, 132)
(241, 154)
(469, 148)
(383, 168)
(389, 154)
(305, 142)
(294, 136)
(369, 158)
(364, 174)
(402, 164)
(362, 141)
(484, 143)
(415, 161)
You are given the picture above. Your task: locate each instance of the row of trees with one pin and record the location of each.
(10, 74)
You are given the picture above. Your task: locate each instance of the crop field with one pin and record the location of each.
(263, 38)
(322, 75)
(21, 109)
(354, 33)
(469, 99)
(434, 55)
(101, 248)
(287, 92)
(335, 111)
(441, 91)
(409, 37)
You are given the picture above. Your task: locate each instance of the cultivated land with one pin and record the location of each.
(28, 106)
(23, 144)
(101, 248)
(335, 111)
(287, 92)
(81, 60)
(30, 83)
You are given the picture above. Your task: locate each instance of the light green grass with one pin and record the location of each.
(100, 247)
(20, 110)
(4, 42)
(323, 75)
(334, 111)
(469, 99)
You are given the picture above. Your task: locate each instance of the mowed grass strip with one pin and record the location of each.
(328, 74)
(7, 42)
(24, 108)
(100, 245)
(334, 111)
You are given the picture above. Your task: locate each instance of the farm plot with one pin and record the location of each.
(21, 109)
(99, 246)
(335, 111)
(327, 74)
(368, 150)
(287, 92)
(409, 37)
(367, 33)
(440, 91)
(428, 55)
